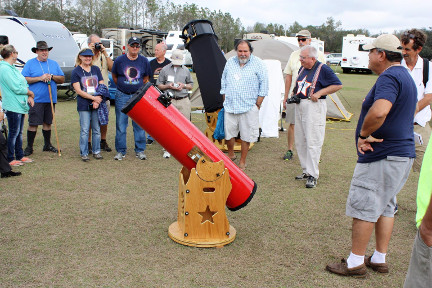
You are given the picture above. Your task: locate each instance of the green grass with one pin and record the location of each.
(65, 223)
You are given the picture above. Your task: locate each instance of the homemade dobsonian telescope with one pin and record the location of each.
(209, 180)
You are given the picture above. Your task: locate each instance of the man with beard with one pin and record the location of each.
(130, 71)
(244, 85)
(412, 43)
(386, 151)
(39, 72)
(291, 71)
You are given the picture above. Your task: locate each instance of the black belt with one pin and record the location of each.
(125, 92)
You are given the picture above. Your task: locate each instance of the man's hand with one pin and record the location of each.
(45, 78)
(315, 97)
(365, 144)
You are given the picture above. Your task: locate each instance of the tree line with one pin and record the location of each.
(91, 16)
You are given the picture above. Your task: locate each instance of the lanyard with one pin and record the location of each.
(43, 72)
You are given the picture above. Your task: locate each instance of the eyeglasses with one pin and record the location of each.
(302, 39)
(135, 46)
(15, 52)
(303, 57)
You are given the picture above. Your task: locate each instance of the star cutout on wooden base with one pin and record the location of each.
(207, 215)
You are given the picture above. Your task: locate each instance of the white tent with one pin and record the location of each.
(269, 113)
(336, 110)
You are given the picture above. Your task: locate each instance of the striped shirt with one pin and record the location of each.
(242, 85)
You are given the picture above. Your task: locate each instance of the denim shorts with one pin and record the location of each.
(374, 187)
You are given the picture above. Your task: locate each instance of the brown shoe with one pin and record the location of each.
(343, 270)
(378, 267)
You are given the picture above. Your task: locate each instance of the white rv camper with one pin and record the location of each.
(354, 58)
(173, 42)
(23, 34)
(82, 42)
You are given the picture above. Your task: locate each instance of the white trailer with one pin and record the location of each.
(354, 58)
(23, 34)
(173, 42)
(82, 42)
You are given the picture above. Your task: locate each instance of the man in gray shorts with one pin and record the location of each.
(386, 151)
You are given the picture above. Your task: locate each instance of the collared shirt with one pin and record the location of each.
(243, 85)
(424, 115)
(171, 74)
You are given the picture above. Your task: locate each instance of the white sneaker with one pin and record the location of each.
(166, 154)
(141, 155)
(119, 156)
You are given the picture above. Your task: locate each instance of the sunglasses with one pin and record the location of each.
(302, 39)
(410, 36)
(135, 46)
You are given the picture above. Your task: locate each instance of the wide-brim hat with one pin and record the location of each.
(386, 42)
(177, 57)
(41, 45)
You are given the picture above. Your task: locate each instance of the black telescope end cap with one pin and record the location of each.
(135, 98)
(247, 200)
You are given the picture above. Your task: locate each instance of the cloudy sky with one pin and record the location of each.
(379, 16)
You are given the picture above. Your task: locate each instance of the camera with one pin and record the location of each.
(176, 85)
(98, 46)
(295, 99)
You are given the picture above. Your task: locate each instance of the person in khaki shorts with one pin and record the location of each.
(412, 43)
(291, 72)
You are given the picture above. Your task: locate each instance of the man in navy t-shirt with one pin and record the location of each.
(386, 151)
(314, 82)
(130, 71)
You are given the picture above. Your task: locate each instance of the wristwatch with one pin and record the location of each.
(362, 137)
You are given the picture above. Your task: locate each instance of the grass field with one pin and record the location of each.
(66, 223)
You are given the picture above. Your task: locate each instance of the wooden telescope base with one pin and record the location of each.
(175, 233)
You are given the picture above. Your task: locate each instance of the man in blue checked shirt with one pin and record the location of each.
(244, 85)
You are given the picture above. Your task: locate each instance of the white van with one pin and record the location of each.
(173, 42)
(23, 34)
(354, 58)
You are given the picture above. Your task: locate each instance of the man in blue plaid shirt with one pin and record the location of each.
(244, 85)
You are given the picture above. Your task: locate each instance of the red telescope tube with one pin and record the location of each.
(151, 110)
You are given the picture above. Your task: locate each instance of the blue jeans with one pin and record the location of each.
(14, 141)
(122, 124)
(87, 119)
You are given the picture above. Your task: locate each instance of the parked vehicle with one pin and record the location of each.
(173, 42)
(354, 58)
(120, 36)
(334, 59)
(23, 33)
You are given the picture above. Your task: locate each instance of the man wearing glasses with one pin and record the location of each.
(412, 43)
(130, 71)
(291, 72)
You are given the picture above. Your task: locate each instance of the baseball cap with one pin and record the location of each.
(304, 33)
(387, 42)
(86, 52)
(177, 57)
(134, 40)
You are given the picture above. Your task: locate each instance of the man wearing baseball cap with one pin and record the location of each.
(291, 72)
(39, 72)
(386, 151)
(130, 71)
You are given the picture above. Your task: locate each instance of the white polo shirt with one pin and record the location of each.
(424, 115)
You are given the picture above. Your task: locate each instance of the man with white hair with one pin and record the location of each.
(314, 82)
(291, 72)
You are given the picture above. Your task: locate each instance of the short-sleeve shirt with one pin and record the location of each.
(326, 78)
(35, 68)
(293, 66)
(89, 81)
(397, 86)
(175, 74)
(156, 67)
(130, 73)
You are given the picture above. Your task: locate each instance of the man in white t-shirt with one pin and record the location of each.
(412, 43)
(291, 70)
